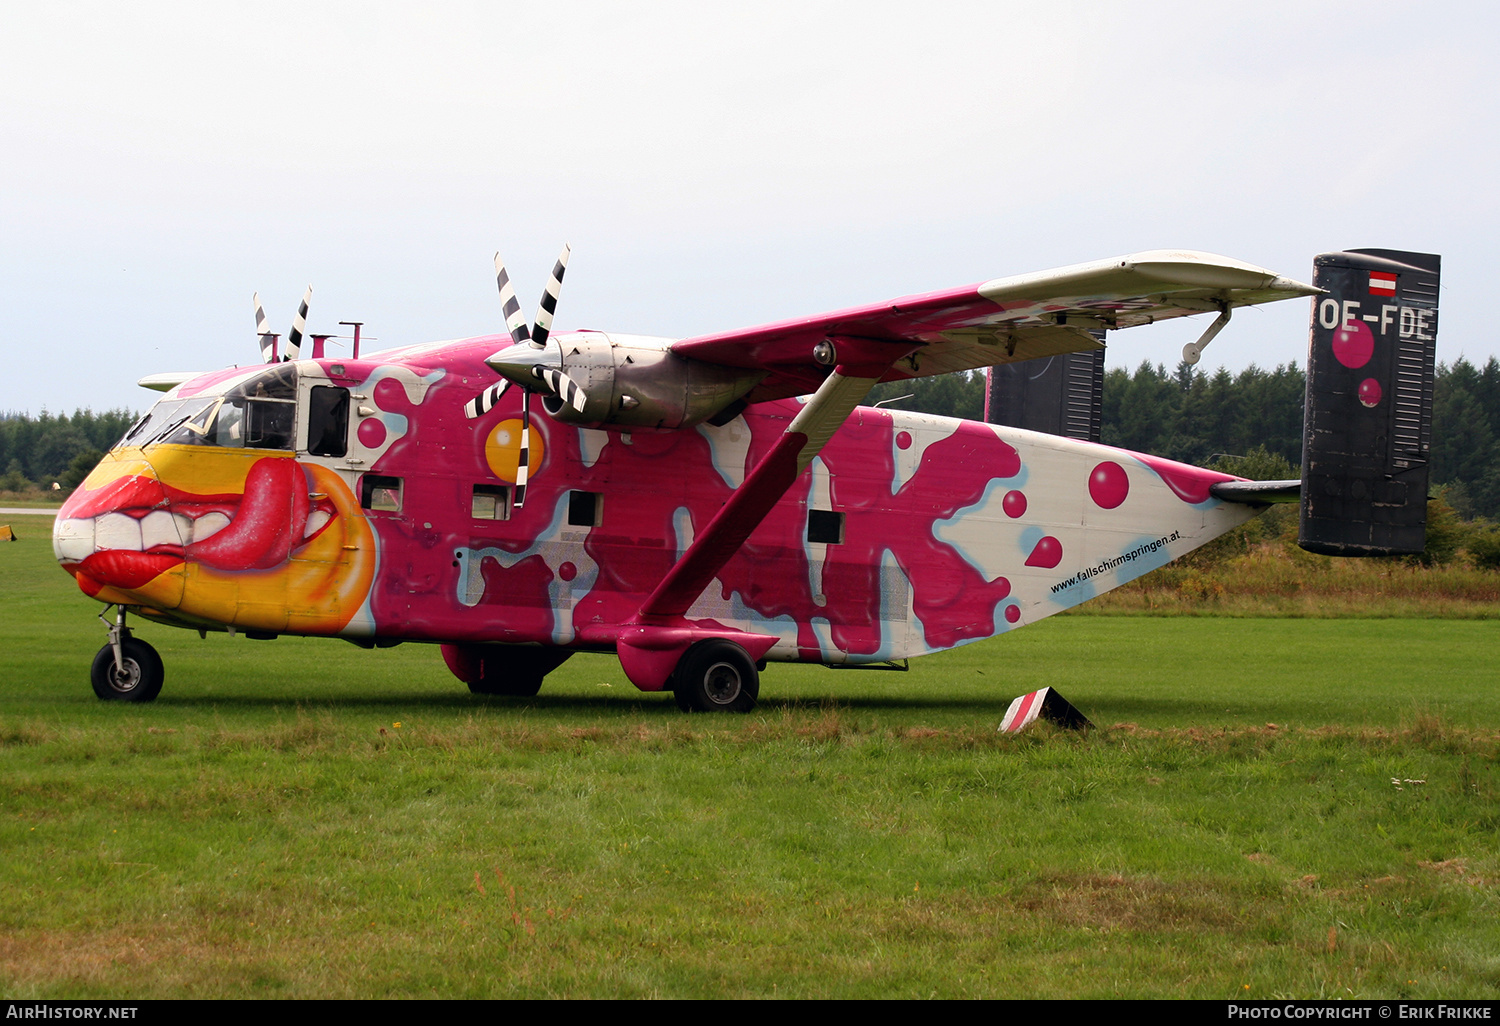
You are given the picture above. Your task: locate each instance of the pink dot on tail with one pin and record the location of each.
(1012, 613)
(1353, 345)
(1014, 504)
(1108, 485)
(1369, 393)
(371, 433)
(903, 439)
(1047, 554)
(567, 571)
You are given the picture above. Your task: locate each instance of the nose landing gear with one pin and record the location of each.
(126, 669)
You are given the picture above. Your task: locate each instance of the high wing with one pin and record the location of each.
(1001, 321)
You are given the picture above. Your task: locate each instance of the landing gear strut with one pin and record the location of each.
(126, 669)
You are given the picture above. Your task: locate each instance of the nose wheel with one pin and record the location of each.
(126, 669)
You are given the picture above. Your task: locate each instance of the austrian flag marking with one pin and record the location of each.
(1382, 284)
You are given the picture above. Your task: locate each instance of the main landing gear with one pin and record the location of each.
(716, 676)
(126, 669)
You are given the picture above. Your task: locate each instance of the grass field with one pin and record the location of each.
(1300, 807)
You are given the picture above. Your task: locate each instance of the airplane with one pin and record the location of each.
(703, 507)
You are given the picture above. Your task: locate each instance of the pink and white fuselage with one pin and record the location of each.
(941, 532)
(695, 506)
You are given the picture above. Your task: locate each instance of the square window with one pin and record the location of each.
(825, 526)
(382, 494)
(328, 421)
(584, 509)
(491, 502)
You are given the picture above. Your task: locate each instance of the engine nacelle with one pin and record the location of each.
(636, 381)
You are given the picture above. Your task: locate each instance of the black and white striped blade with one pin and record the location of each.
(548, 307)
(514, 322)
(523, 458)
(564, 387)
(263, 329)
(299, 326)
(485, 401)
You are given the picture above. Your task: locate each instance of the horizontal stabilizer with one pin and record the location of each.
(1257, 492)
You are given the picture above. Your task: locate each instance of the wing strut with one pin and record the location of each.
(650, 645)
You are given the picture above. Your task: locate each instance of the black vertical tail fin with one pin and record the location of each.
(1061, 395)
(1368, 427)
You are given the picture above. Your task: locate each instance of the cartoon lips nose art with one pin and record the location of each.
(134, 528)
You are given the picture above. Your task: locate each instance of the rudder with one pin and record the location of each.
(1367, 432)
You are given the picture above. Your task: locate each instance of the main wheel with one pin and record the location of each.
(716, 676)
(138, 678)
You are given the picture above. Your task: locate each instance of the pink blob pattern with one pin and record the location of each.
(1014, 504)
(371, 433)
(1108, 486)
(1012, 613)
(1047, 554)
(903, 439)
(567, 571)
(1353, 345)
(1369, 393)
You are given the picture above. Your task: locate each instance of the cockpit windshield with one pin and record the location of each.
(259, 413)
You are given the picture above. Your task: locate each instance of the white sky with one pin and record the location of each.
(712, 165)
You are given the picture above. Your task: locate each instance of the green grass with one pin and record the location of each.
(267, 829)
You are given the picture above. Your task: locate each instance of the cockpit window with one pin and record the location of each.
(260, 413)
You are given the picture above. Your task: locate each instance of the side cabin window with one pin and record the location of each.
(380, 494)
(825, 526)
(490, 502)
(328, 421)
(585, 509)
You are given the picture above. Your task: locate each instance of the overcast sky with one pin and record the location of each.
(713, 166)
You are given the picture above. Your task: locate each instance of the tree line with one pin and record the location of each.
(36, 451)
(1186, 415)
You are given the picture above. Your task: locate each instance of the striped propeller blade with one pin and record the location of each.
(523, 458)
(514, 322)
(548, 307)
(299, 325)
(263, 329)
(485, 401)
(564, 387)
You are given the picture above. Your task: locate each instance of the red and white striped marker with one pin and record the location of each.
(1047, 704)
(1382, 283)
(1023, 711)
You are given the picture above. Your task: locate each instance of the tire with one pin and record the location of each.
(142, 679)
(716, 676)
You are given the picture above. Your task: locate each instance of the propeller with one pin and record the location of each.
(523, 458)
(263, 329)
(527, 370)
(293, 340)
(299, 325)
